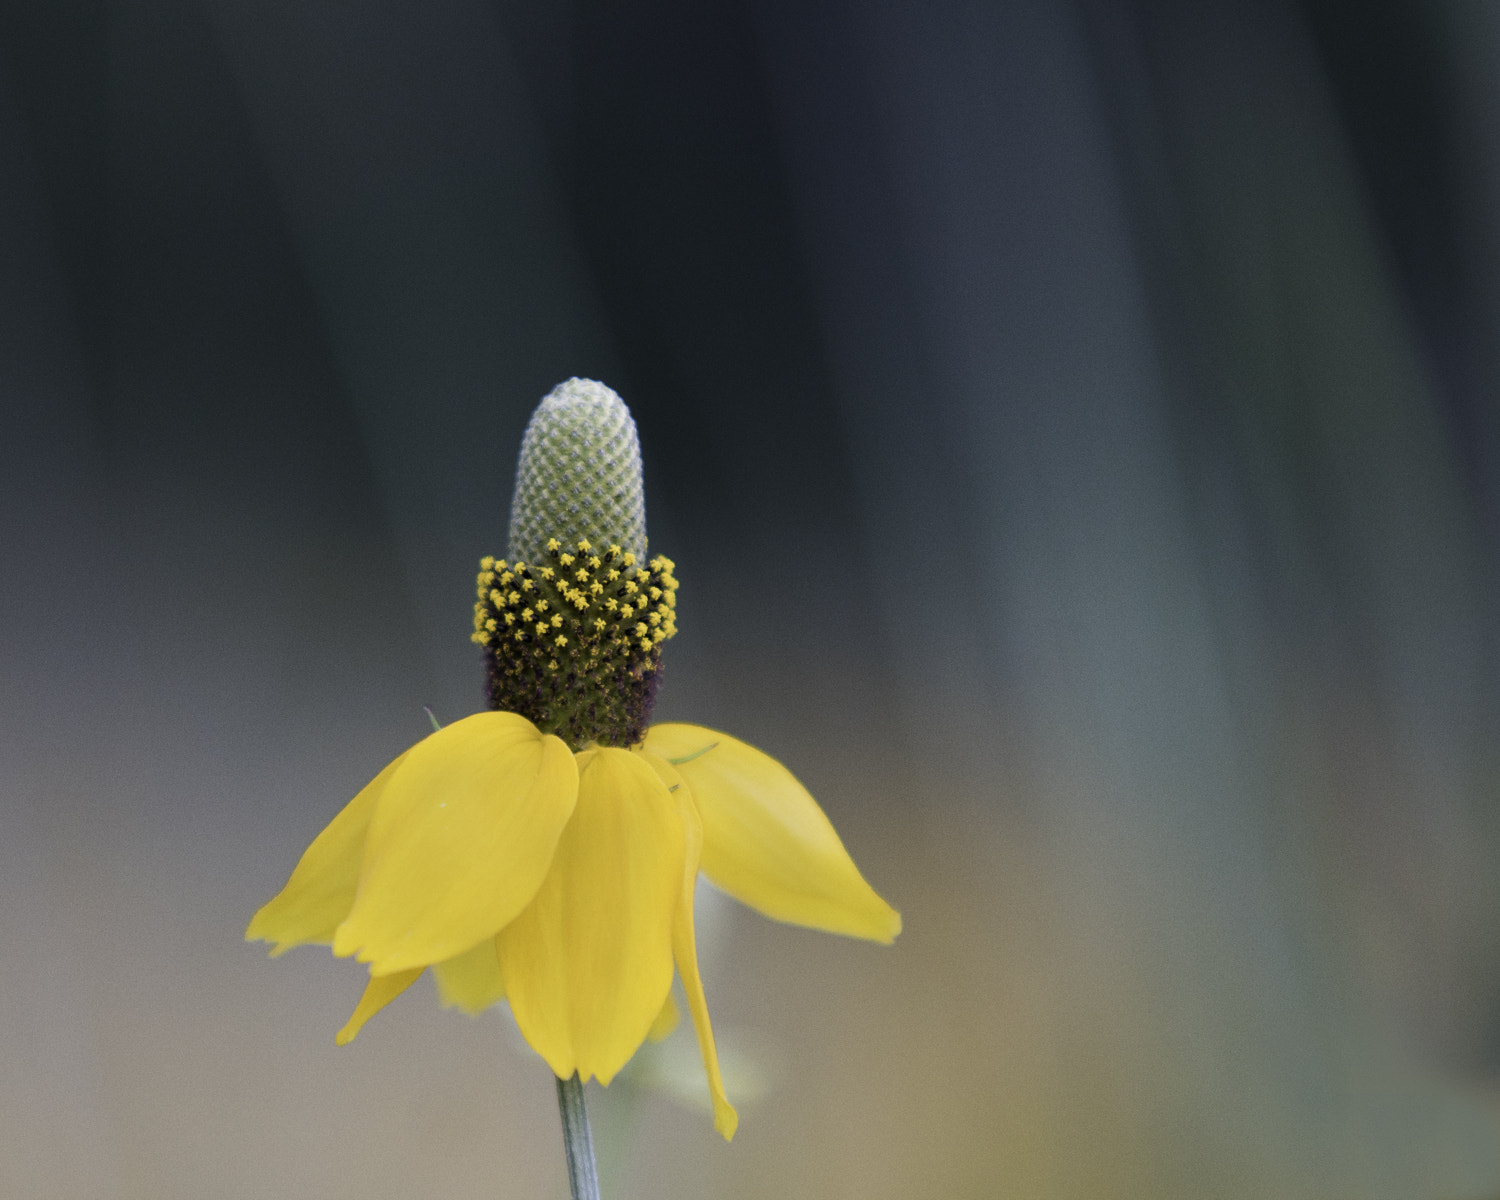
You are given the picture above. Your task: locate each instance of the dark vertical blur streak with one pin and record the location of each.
(1471, 35)
(59, 61)
(1385, 66)
(921, 531)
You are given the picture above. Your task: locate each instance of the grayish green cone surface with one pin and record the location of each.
(579, 474)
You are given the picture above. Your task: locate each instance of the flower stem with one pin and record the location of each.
(578, 1143)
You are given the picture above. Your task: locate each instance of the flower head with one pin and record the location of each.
(546, 851)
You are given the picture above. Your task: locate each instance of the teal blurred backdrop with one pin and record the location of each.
(1076, 428)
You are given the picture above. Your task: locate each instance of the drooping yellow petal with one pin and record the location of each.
(685, 945)
(765, 840)
(588, 964)
(459, 842)
(471, 981)
(320, 892)
(379, 992)
(665, 1022)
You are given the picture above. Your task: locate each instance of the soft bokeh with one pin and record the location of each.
(1075, 426)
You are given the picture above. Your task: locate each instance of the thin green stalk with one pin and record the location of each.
(578, 1143)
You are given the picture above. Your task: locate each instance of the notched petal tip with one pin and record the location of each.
(379, 992)
(726, 1120)
(470, 982)
(588, 964)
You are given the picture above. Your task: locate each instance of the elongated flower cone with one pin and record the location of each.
(572, 624)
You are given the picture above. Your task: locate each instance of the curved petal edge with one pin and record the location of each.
(765, 840)
(460, 841)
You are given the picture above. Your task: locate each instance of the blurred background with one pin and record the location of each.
(1075, 425)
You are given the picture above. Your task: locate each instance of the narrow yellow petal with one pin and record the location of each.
(765, 840)
(321, 890)
(379, 992)
(685, 945)
(459, 842)
(588, 964)
(471, 981)
(665, 1022)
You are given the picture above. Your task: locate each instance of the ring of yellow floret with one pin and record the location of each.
(574, 643)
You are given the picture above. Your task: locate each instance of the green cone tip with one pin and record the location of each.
(579, 474)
